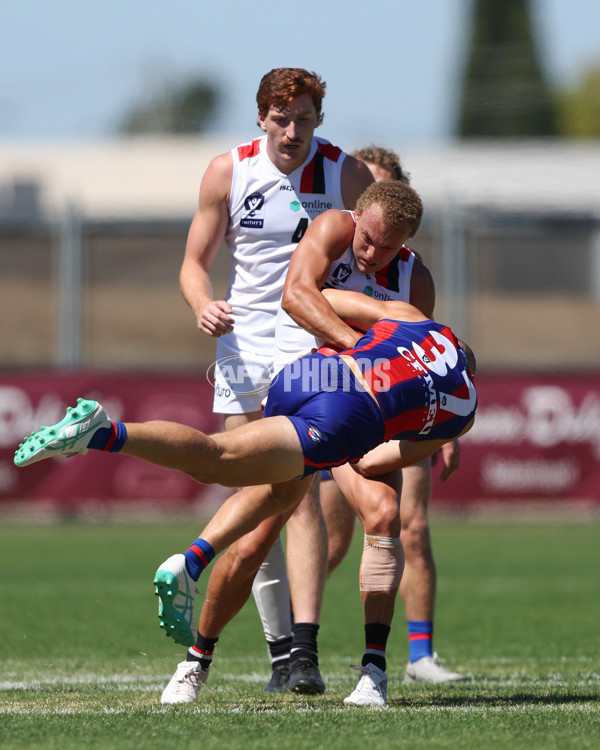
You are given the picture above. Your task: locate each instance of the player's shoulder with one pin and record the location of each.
(225, 161)
(219, 174)
(221, 162)
(333, 231)
(336, 218)
(248, 150)
(358, 166)
(329, 151)
(420, 269)
(356, 178)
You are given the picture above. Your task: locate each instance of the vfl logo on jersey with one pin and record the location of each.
(314, 434)
(341, 274)
(253, 217)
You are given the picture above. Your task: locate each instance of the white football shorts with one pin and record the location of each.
(241, 379)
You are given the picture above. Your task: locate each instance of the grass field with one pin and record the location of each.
(83, 661)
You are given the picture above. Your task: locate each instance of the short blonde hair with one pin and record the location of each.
(398, 202)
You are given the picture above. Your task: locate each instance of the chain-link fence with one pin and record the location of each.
(523, 289)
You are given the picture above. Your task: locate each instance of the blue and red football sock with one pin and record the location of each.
(110, 439)
(420, 639)
(197, 557)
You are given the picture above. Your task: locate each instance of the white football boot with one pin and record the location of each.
(429, 669)
(371, 689)
(186, 683)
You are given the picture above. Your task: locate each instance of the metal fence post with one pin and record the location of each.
(69, 287)
(454, 266)
(595, 270)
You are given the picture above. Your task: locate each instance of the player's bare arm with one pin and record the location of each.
(355, 178)
(449, 456)
(325, 241)
(205, 237)
(422, 288)
(396, 454)
(363, 312)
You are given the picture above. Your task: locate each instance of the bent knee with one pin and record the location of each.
(383, 516)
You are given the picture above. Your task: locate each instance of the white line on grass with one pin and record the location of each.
(119, 682)
(157, 682)
(587, 708)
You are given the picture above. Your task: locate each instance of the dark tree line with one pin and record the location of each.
(183, 108)
(505, 92)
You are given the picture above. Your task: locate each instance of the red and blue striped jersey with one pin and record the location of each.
(419, 376)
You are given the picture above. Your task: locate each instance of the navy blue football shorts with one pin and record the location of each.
(335, 421)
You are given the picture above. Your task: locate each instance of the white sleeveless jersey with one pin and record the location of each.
(391, 282)
(269, 213)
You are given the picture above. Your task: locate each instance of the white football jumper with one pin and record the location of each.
(269, 213)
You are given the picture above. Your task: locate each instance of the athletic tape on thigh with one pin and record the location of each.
(382, 563)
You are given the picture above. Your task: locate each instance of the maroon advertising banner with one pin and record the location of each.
(535, 438)
(30, 400)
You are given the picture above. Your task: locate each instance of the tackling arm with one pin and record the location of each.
(326, 239)
(363, 312)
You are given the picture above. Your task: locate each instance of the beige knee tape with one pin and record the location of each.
(382, 563)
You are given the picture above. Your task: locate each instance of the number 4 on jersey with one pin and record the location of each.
(300, 230)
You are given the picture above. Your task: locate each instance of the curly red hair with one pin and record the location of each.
(281, 85)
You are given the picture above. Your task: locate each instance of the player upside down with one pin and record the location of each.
(408, 377)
